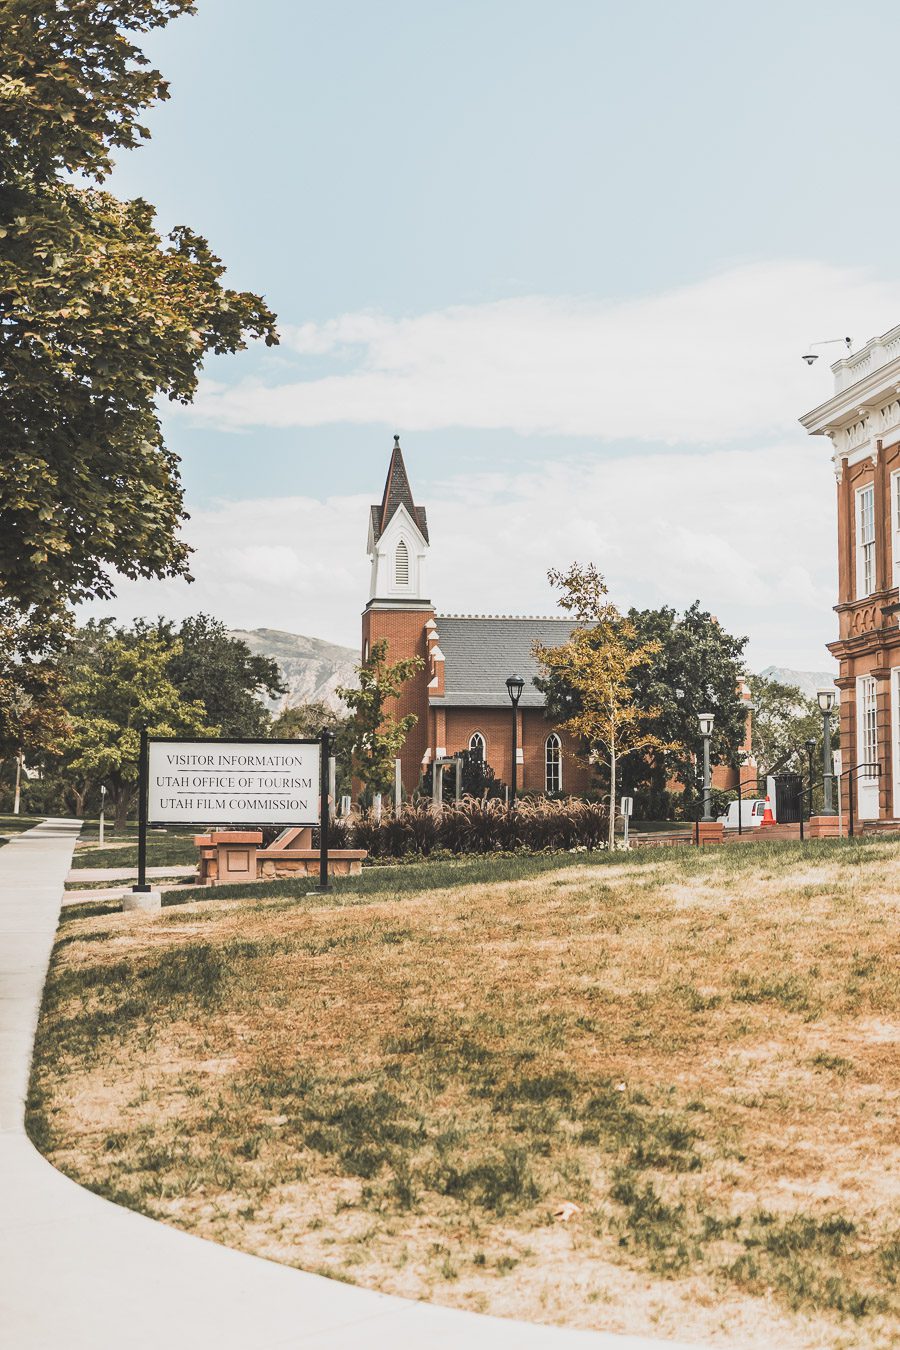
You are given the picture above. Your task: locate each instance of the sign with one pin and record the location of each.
(233, 782)
(626, 805)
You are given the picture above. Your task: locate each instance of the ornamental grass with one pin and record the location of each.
(476, 825)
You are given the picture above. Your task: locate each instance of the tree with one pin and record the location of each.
(783, 720)
(589, 680)
(116, 683)
(221, 672)
(101, 315)
(698, 668)
(32, 716)
(306, 721)
(373, 735)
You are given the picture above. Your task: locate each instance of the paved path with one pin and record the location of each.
(128, 873)
(79, 1273)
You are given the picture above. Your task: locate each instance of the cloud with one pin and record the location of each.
(713, 362)
(749, 533)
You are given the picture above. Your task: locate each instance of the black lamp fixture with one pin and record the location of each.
(825, 700)
(514, 686)
(706, 726)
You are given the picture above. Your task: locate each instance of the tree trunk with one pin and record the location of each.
(122, 800)
(612, 800)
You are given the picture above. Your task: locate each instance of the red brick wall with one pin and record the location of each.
(405, 633)
(495, 725)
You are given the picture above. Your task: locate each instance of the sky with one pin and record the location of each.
(571, 253)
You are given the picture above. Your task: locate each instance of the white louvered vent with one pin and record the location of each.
(401, 564)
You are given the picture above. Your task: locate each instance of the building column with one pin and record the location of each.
(846, 585)
(882, 519)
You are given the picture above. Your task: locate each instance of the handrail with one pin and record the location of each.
(856, 770)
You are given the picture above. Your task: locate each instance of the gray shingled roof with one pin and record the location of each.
(481, 650)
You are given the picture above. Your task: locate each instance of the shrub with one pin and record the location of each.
(478, 825)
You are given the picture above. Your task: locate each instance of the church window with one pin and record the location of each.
(477, 743)
(553, 764)
(401, 564)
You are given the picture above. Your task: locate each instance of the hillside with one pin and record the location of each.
(807, 681)
(311, 669)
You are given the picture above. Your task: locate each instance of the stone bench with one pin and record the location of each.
(229, 856)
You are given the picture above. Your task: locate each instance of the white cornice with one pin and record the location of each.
(865, 382)
(858, 401)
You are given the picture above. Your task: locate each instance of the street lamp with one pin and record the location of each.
(514, 686)
(810, 751)
(825, 699)
(706, 725)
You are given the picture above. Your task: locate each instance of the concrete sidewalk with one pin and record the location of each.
(79, 1273)
(129, 873)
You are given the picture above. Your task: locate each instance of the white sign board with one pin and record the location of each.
(233, 782)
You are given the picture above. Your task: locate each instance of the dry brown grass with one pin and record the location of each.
(700, 1051)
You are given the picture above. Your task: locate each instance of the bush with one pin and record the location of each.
(476, 825)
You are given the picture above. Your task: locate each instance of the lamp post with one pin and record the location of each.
(706, 726)
(810, 751)
(514, 686)
(825, 699)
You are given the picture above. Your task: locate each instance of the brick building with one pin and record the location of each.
(459, 697)
(862, 420)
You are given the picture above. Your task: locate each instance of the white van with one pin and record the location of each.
(752, 811)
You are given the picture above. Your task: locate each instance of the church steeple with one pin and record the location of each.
(398, 542)
(397, 493)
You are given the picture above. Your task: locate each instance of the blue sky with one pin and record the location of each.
(570, 252)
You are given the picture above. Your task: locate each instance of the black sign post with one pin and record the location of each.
(142, 815)
(324, 775)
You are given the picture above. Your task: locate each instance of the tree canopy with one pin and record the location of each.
(101, 315)
(117, 682)
(784, 719)
(32, 717)
(698, 667)
(219, 671)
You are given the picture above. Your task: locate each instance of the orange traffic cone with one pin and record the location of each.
(768, 818)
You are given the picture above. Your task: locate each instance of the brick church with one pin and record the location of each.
(459, 697)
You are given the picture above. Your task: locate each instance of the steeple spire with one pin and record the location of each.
(397, 493)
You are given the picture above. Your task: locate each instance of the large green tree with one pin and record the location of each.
(220, 672)
(117, 682)
(697, 668)
(32, 716)
(101, 315)
(784, 719)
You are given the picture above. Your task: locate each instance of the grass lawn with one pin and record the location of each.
(16, 824)
(172, 846)
(401, 1083)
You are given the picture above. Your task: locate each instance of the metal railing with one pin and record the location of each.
(869, 770)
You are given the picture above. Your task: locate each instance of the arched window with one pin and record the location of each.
(478, 744)
(553, 764)
(401, 564)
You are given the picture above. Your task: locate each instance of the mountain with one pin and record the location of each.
(808, 681)
(311, 669)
